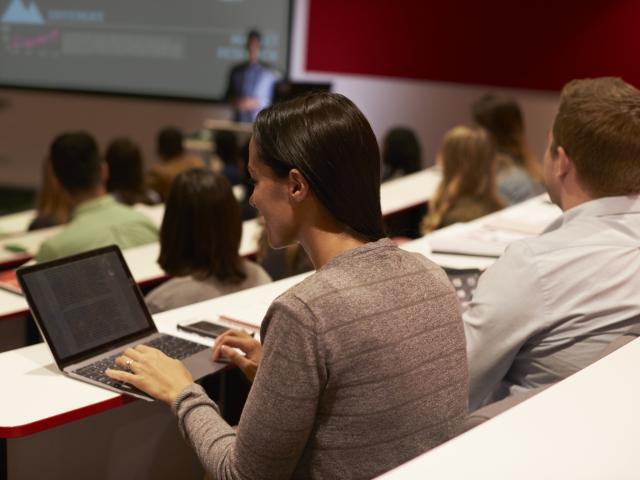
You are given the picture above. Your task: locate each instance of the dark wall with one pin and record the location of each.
(533, 45)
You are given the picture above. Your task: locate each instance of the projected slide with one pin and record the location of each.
(147, 47)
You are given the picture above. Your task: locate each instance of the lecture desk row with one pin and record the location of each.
(76, 429)
(396, 195)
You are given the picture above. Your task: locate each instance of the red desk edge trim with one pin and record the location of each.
(15, 262)
(15, 314)
(67, 417)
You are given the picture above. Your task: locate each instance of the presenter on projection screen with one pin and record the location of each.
(250, 85)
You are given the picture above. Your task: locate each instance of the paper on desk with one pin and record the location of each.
(421, 245)
(538, 216)
(473, 239)
(461, 262)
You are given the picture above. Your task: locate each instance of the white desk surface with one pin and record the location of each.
(16, 222)
(586, 426)
(409, 191)
(12, 304)
(29, 373)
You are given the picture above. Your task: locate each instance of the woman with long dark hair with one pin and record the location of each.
(126, 173)
(199, 242)
(401, 153)
(363, 364)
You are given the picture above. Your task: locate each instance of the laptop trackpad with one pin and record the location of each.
(200, 364)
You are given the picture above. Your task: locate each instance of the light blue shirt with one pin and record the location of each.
(551, 304)
(253, 80)
(515, 185)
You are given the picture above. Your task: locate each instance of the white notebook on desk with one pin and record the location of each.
(539, 214)
(473, 239)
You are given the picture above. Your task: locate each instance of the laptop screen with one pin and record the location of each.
(85, 302)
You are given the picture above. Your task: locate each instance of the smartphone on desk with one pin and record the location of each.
(204, 328)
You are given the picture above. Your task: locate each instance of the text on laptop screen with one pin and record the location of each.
(86, 303)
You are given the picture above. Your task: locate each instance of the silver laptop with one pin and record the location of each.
(89, 310)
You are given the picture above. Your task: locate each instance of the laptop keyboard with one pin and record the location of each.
(173, 347)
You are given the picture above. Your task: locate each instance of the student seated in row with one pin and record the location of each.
(519, 175)
(126, 180)
(199, 241)
(468, 188)
(97, 219)
(401, 153)
(551, 304)
(362, 365)
(53, 206)
(230, 156)
(173, 160)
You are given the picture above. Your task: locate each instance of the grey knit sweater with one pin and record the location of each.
(363, 368)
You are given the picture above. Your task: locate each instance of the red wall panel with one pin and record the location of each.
(538, 45)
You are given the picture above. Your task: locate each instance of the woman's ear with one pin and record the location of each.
(298, 186)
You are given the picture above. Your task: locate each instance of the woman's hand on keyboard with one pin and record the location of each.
(228, 344)
(153, 372)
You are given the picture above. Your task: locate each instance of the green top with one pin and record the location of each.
(97, 223)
